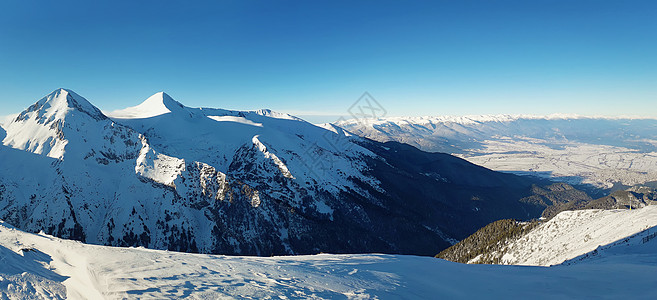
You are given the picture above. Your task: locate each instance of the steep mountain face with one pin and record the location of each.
(603, 152)
(166, 176)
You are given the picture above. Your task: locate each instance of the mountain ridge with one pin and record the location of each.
(251, 183)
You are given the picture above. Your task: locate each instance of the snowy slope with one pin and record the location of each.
(576, 149)
(574, 233)
(41, 266)
(639, 248)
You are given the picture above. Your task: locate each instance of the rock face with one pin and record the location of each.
(165, 176)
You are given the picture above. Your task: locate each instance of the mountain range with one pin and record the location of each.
(166, 176)
(600, 152)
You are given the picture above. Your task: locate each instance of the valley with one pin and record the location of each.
(604, 153)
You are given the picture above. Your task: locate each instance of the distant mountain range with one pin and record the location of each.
(603, 152)
(166, 176)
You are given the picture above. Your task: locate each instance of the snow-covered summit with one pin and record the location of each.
(158, 104)
(41, 127)
(60, 103)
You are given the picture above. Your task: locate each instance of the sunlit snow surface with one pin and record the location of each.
(152, 107)
(591, 150)
(41, 266)
(234, 119)
(573, 233)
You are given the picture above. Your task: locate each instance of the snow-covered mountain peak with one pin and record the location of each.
(158, 104)
(41, 127)
(48, 127)
(58, 104)
(162, 100)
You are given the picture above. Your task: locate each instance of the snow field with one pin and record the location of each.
(99, 272)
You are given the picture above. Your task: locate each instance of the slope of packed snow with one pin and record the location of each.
(45, 267)
(600, 151)
(574, 233)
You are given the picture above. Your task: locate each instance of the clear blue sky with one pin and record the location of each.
(306, 57)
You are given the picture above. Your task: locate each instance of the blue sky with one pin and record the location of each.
(317, 58)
